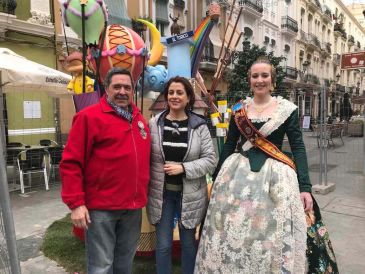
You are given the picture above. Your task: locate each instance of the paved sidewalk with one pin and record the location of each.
(32, 216)
(343, 210)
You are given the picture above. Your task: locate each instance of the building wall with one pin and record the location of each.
(14, 101)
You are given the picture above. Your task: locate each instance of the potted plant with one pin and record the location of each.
(356, 128)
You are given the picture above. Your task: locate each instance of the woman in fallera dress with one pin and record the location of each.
(256, 216)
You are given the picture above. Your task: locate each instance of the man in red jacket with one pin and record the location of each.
(105, 173)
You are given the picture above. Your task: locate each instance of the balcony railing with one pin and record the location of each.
(315, 4)
(351, 39)
(328, 13)
(340, 88)
(8, 6)
(312, 39)
(254, 4)
(339, 27)
(289, 23)
(336, 58)
(208, 58)
(291, 73)
(326, 82)
(328, 47)
(303, 36)
(311, 78)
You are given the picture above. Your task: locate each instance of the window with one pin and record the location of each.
(117, 13)
(162, 19)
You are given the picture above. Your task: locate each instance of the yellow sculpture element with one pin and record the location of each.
(157, 47)
(74, 65)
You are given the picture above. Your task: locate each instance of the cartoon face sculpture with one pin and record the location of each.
(74, 66)
(122, 48)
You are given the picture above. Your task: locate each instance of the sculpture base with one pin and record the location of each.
(322, 189)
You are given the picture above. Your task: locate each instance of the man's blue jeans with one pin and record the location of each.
(111, 241)
(164, 232)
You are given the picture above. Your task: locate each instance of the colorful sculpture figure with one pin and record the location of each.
(122, 48)
(155, 78)
(74, 66)
(157, 47)
(95, 17)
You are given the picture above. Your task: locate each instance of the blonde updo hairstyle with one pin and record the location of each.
(263, 60)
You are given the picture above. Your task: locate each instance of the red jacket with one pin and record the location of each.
(106, 162)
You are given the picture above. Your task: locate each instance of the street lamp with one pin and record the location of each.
(338, 76)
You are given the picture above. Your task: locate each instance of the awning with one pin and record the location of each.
(19, 74)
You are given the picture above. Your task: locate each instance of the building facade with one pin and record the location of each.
(26, 27)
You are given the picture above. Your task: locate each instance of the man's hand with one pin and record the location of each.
(173, 169)
(307, 201)
(80, 217)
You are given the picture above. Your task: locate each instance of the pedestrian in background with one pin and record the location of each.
(105, 175)
(182, 154)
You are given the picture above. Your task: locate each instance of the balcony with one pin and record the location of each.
(289, 25)
(291, 73)
(327, 14)
(8, 6)
(336, 59)
(351, 40)
(326, 49)
(338, 30)
(253, 7)
(314, 5)
(312, 79)
(207, 60)
(313, 42)
(326, 82)
(303, 37)
(340, 88)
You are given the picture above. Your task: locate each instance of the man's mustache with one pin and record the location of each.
(122, 97)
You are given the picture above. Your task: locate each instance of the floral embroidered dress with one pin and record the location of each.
(255, 221)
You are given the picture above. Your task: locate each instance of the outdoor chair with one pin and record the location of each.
(55, 156)
(32, 161)
(12, 152)
(47, 142)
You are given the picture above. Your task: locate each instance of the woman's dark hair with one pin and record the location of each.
(188, 89)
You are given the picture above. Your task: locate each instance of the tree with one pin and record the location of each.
(238, 86)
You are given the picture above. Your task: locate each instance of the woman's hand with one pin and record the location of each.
(307, 201)
(173, 169)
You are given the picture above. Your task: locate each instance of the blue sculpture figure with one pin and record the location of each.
(155, 78)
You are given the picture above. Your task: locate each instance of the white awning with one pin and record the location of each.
(21, 74)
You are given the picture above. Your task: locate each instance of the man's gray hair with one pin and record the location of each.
(115, 71)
